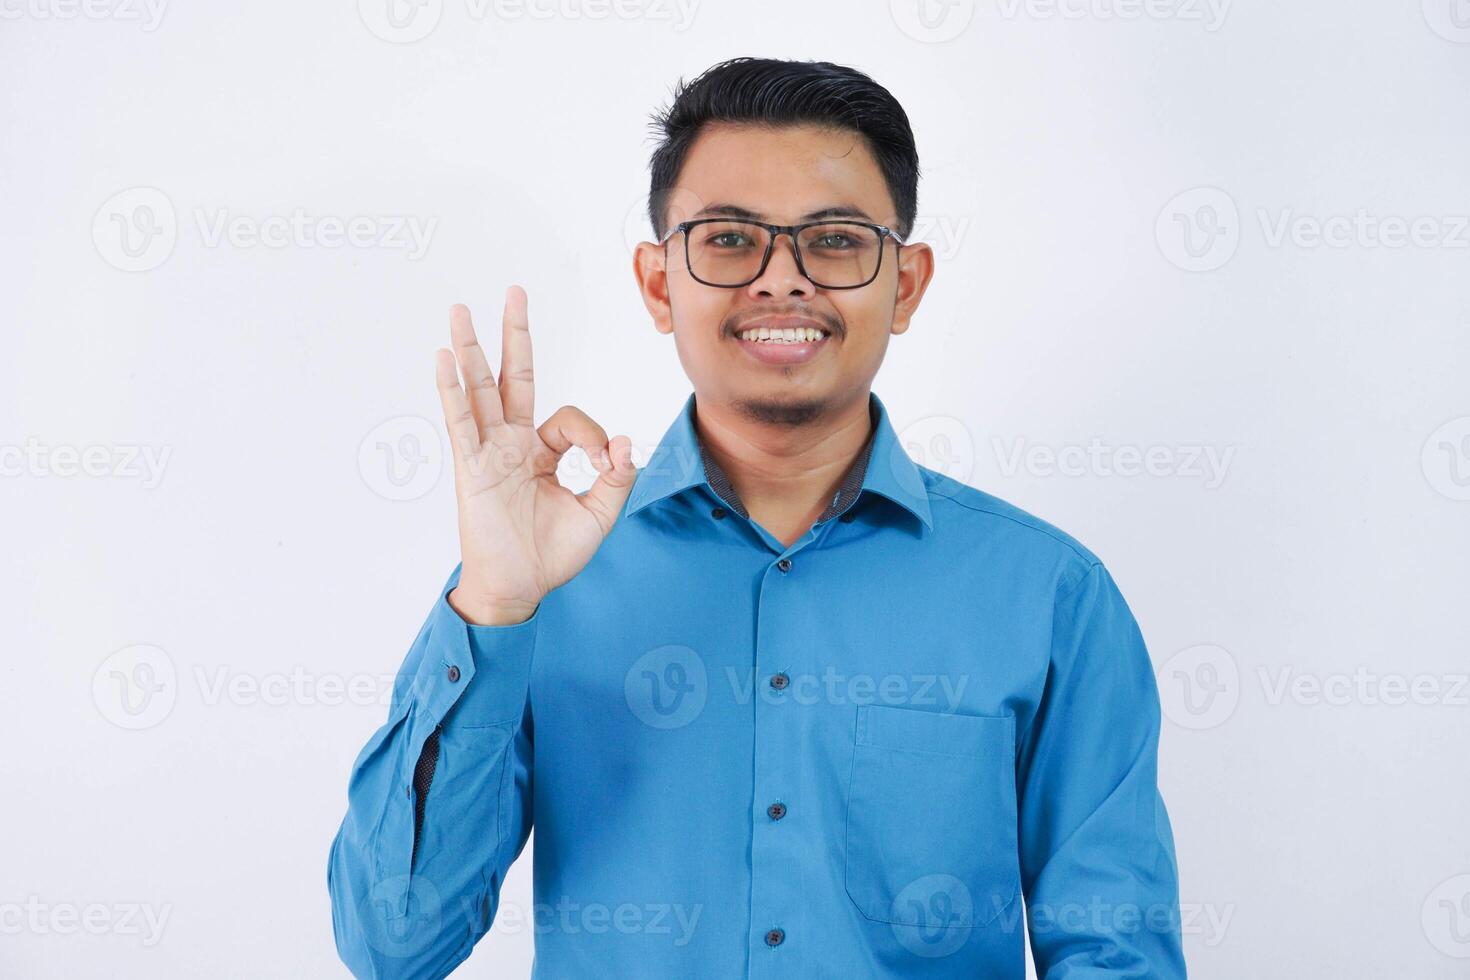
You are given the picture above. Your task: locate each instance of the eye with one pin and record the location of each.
(834, 240)
(728, 239)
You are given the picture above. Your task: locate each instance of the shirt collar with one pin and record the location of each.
(677, 464)
(847, 490)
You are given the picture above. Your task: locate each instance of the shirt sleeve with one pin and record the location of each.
(1097, 851)
(438, 801)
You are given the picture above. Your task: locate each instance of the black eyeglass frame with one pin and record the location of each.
(884, 232)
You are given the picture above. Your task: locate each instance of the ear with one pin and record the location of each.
(915, 269)
(650, 270)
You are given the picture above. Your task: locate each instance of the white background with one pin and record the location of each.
(1299, 597)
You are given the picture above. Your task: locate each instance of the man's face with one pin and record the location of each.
(782, 175)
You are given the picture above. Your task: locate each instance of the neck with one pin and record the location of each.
(784, 473)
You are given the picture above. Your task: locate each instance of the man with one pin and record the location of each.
(782, 703)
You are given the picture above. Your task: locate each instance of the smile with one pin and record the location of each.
(790, 335)
(783, 347)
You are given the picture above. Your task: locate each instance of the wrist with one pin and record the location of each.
(479, 611)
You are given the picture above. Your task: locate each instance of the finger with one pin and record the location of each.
(608, 495)
(458, 419)
(517, 385)
(484, 396)
(569, 426)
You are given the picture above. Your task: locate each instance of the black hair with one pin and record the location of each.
(774, 92)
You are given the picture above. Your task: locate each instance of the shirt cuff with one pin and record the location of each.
(482, 673)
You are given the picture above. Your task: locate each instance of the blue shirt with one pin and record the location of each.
(874, 753)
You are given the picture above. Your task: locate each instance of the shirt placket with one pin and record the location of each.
(779, 813)
(778, 927)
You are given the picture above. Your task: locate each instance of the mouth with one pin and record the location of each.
(783, 340)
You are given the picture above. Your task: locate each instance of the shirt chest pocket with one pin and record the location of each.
(931, 817)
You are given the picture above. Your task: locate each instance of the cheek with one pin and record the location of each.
(867, 319)
(697, 307)
(697, 318)
(698, 312)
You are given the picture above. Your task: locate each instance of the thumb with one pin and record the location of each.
(606, 498)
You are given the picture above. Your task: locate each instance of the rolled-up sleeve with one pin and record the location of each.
(438, 801)
(1097, 851)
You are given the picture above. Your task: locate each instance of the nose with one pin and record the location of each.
(782, 276)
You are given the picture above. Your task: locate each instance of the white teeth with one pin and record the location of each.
(790, 335)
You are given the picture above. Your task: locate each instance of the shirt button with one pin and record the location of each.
(779, 681)
(776, 811)
(775, 937)
(784, 564)
(718, 513)
(453, 674)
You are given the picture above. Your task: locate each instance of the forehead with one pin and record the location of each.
(781, 172)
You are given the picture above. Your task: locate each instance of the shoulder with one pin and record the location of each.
(983, 520)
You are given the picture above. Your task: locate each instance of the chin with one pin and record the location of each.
(791, 409)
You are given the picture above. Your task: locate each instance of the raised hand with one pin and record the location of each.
(521, 533)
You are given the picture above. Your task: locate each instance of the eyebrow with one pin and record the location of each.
(833, 211)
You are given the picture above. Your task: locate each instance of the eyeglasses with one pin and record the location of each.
(730, 253)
